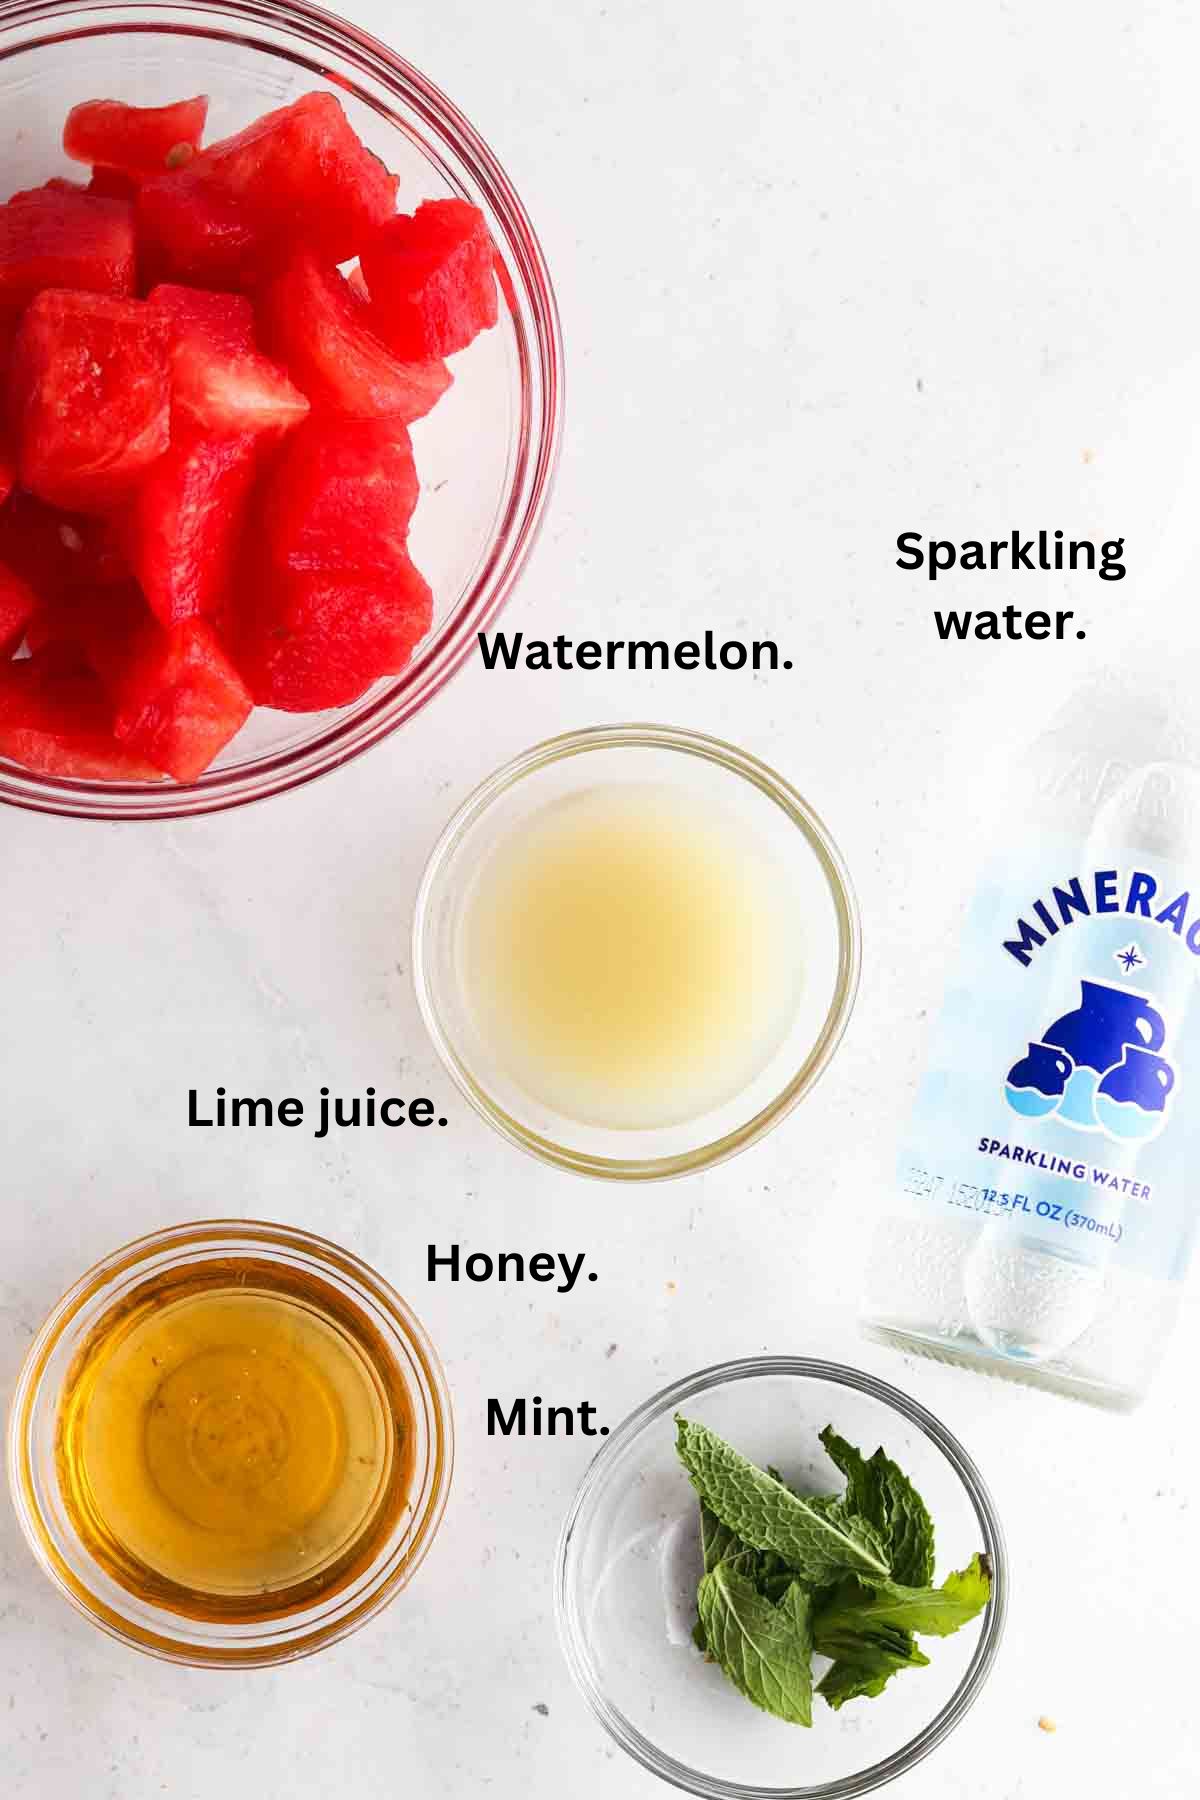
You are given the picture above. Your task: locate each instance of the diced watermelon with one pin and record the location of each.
(315, 640)
(185, 232)
(113, 184)
(226, 321)
(8, 455)
(18, 603)
(219, 380)
(297, 177)
(90, 396)
(52, 624)
(52, 239)
(57, 184)
(206, 494)
(313, 322)
(182, 530)
(138, 140)
(41, 629)
(178, 699)
(431, 279)
(340, 496)
(56, 719)
(88, 625)
(58, 553)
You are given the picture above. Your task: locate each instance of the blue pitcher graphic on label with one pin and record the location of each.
(1131, 1101)
(1098, 1067)
(1036, 1084)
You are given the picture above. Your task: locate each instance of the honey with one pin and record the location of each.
(234, 1440)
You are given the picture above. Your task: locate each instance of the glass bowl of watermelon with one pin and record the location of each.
(280, 398)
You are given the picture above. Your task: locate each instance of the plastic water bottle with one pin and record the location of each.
(1045, 1200)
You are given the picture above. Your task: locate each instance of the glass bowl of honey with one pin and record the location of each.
(636, 948)
(230, 1444)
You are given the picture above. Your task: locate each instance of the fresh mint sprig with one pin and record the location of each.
(848, 1576)
(817, 1543)
(764, 1646)
(877, 1489)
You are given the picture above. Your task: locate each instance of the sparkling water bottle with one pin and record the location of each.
(1045, 1196)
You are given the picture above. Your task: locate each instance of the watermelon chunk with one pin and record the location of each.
(138, 140)
(8, 455)
(52, 239)
(316, 640)
(90, 396)
(226, 321)
(315, 324)
(86, 625)
(220, 382)
(57, 184)
(54, 624)
(18, 603)
(431, 279)
(340, 496)
(113, 184)
(182, 530)
(185, 233)
(56, 719)
(178, 700)
(296, 177)
(41, 629)
(58, 553)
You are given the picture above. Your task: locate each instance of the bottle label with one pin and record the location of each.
(1055, 1096)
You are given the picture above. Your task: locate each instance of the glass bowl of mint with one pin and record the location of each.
(781, 1579)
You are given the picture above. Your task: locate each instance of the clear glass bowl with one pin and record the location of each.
(140, 1622)
(485, 454)
(629, 1563)
(717, 774)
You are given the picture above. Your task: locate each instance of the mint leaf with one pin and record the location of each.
(856, 1607)
(864, 1663)
(720, 1545)
(867, 1553)
(716, 1540)
(769, 1573)
(878, 1490)
(862, 1491)
(818, 1543)
(766, 1650)
(772, 1577)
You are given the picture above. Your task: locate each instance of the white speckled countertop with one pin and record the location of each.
(826, 274)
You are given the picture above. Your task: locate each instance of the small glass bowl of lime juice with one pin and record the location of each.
(636, 949)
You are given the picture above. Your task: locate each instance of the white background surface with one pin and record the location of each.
(827, 274)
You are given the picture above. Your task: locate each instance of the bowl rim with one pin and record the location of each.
(740, 763)
(533, 310)
(212, 1237)
(572, 1637)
